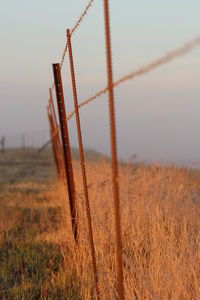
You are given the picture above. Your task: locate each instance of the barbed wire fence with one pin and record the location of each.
(61, 142)
(26, 140)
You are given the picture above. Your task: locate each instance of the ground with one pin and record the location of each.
(31, 268)
(160, 226)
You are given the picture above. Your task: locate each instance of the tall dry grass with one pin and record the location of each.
(160, 232)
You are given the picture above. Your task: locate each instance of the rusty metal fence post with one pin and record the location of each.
(84, 177)
(57, 135)
(58, 150)
(114, 151)
(55, 153)
(66, 148)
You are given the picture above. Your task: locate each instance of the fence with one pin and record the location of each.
(61, 143)
(25, 140)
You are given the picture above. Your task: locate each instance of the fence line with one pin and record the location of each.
(25, 140)
(65, 154)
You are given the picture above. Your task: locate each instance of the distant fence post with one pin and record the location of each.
(23, 141)
(2, 143)
(84, 177)
(114, 151)
(66, 148)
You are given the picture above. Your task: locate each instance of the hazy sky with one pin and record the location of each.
(158, 115)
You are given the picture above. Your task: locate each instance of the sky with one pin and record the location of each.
(157, 114)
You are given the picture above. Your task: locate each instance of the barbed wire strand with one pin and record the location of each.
(187, 47)
(75, 27)
(82, 16)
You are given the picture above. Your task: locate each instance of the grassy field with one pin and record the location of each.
(160, 231)
(31, 268)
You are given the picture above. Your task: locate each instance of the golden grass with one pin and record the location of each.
(160, 231)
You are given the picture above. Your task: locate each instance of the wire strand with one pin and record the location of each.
(187, 47)
(82, 16)
(75, 28)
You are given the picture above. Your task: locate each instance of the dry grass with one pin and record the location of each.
(160, 232)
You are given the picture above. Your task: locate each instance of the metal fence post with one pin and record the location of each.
(53, 141)
(84, 177)
(2, 143)
(57, 135)
(66, 148)
(114, 151)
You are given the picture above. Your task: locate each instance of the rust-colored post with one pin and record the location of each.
(57, 149)
(66, 147)
(58, 142)
(53, 141)
(114, 152)
(84, 178)
(51, 105)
